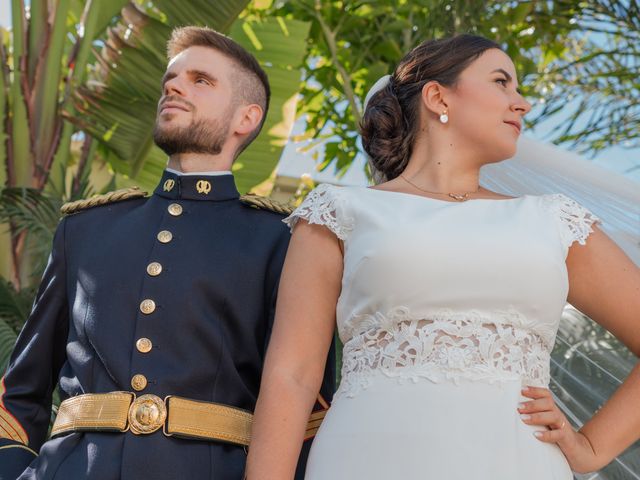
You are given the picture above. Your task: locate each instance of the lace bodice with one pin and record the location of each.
(448, 291)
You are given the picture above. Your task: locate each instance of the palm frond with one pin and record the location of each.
(32, 212)
(15, 305)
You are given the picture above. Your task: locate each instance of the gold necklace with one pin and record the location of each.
(459, 197)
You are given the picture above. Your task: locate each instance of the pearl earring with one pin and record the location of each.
(444, 118)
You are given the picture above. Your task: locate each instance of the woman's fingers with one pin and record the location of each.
(536, 392)
(543, 411)
(540, 405)
(550, 436)
(552, 419)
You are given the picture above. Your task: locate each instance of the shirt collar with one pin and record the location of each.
(205, 186)
(212, 173)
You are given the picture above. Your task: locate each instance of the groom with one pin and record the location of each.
(154, 313)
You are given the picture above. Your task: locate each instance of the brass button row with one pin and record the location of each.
(148, 306)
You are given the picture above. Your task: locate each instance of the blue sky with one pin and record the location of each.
(617, 159)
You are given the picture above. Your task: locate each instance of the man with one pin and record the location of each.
(154, 313)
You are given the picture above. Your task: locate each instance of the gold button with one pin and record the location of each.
(175, 209)
(154, 269)
(147, 306)
(165, 236)
(144, 345)
(139, 382)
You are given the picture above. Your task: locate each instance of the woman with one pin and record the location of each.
(447, 298)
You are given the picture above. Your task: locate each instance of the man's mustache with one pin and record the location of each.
(175, 99)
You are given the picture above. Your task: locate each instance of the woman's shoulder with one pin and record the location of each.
(324, 205)
(574, 221)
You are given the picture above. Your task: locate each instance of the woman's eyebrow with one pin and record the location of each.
(506, 74)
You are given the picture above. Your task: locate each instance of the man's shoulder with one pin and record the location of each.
(122, 197)
(265, 204)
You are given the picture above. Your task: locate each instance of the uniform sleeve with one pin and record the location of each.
(32, 374)
(575, 222)
(324, 205)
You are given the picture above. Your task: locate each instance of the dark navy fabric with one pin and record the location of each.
(215, 300)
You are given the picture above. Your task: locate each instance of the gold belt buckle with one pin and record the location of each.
(147, 414)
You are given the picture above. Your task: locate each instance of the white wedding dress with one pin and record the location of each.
(447, 309)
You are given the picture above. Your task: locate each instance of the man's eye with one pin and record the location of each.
(202, 80)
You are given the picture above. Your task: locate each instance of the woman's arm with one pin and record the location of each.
(605, 285)
(294, 365)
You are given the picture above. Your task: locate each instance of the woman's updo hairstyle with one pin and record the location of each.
(391, 118)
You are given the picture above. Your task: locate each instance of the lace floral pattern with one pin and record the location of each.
(446, 346)
(322, 207)
(576, 220)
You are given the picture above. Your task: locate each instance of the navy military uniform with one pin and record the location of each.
(173, 294)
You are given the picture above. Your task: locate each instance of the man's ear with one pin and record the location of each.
(248, 119)
(433, 97)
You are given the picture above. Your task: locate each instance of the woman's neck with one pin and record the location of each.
(443, 167)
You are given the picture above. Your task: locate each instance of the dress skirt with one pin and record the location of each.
(432, 431)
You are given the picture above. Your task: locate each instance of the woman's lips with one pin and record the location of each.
(515, 126)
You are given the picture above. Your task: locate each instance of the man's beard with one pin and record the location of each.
(201, 136)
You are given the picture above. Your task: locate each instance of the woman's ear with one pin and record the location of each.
(433, 97)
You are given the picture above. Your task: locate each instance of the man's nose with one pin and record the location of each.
(173, 87)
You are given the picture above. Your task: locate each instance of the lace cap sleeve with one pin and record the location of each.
(575, 221)
(323, 206)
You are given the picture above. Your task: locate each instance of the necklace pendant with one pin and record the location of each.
(460, 197)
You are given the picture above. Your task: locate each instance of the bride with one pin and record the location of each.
(447, 297)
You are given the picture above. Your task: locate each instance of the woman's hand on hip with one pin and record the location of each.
(542, 411)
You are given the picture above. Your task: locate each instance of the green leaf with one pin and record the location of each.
(45, 114)
(21, 161)
(283, 48)
(34, 213)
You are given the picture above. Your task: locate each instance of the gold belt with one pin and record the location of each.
(177, 416)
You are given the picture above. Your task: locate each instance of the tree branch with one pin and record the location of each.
(330, 38)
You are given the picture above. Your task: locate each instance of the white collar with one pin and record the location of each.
(215, 172)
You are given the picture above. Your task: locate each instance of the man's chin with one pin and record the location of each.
(170, 129)
(172, 121)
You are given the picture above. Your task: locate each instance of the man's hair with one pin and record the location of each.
(250, 84)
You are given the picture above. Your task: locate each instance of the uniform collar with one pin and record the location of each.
(197, 187)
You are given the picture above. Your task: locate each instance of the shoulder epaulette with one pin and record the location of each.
(265, 203)
(111, 197)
